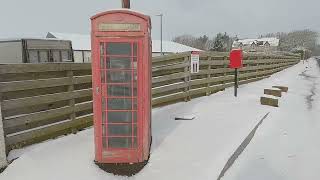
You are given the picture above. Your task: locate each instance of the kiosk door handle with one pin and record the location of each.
(97, 90)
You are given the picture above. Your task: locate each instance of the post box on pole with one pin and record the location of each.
(236, 58)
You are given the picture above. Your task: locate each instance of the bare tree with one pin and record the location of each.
(196, 42)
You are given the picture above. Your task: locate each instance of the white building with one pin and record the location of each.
(169, 47)
(81, 45)
(260, 44)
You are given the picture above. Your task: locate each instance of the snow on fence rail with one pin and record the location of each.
(43, 101)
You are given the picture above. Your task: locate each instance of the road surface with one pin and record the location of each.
(287, 146)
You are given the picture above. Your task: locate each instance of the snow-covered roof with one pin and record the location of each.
(171, 47)
(79, 41)
(83, 42)
(271, 41)
(28, 38)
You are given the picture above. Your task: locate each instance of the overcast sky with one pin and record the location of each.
(245, 18)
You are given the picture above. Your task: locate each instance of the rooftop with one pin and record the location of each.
(83, 42)
(271, 41)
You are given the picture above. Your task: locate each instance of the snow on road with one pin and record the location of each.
(287, 146)
(196, 149)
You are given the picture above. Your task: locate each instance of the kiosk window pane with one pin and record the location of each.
(119, 49)
(119, 63)
(119, 130)
(135, 104)
(119, 76)
(135, 65)
(120, 117)
(135, 76)
(120, 104)
(120, 91)
(135, 130)
(134, 117)
(117, 142)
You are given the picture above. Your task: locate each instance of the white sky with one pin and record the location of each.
(245, 18)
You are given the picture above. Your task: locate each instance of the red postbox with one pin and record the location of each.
(121, 72)
(236, 58)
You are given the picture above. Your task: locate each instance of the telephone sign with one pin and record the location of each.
(236, 58)
(195, 61)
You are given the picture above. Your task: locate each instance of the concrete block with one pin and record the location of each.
(273, 92)
(269, 101)
(282, 88)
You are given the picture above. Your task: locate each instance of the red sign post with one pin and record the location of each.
(236, 59)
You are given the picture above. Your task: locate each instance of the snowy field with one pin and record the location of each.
(286, 142)
(287, 146)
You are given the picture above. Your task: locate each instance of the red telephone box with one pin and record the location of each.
(121, 70)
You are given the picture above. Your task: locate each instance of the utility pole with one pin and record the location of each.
(161, 29)
(126, 4)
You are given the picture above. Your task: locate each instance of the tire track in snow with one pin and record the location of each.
(2, 169)
(241, 148)
(313, 88)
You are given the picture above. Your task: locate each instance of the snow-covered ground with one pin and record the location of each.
(196, 149)
(287, 146)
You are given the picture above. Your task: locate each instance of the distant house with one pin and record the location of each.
(81, 45)
(257, 45)
(253, 46)
(267, 44)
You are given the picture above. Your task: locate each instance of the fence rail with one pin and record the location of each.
(43, 101)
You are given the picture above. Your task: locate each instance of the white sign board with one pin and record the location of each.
(3, 157)
(195, 62)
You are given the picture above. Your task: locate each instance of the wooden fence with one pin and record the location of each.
(43, 101)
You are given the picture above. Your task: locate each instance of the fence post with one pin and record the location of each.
(72, 100)
(208, 76)
(187, 79)
(257, 65)
(225, 66)
(3, 155)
